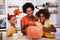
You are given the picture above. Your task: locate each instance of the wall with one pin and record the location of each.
(54, 17)
(58, 15)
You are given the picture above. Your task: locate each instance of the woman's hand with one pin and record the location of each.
(32, 24)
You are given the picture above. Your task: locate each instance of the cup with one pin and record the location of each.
(15, 36)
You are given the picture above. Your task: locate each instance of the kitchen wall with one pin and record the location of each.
(16, 3)
(58, 15)
(55, 18)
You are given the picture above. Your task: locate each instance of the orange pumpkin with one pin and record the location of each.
(16, 12)
(34, 32)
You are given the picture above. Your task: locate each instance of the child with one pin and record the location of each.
(12, 29)
(44, 22)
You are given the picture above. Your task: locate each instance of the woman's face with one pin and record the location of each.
(13, 20)
(42, 17)
(29, 11)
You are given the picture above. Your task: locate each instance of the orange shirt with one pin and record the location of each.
(26, 21)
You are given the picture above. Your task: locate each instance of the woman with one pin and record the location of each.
(28, 8)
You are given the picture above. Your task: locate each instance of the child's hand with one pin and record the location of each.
(52, 28)
(46, 29)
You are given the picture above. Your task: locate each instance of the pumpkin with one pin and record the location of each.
(34, 32)
(16, 12)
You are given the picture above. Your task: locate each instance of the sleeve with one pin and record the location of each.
(9, 33)
(48, 23)
(22, 24)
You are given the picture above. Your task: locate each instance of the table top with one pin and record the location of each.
(56, 38)
(26, 38)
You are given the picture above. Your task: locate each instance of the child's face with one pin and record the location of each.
(13, 20)
(42, 17)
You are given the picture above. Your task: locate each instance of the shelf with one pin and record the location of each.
(2, 15)
(53, 6)
(13, 6)
(53, 13)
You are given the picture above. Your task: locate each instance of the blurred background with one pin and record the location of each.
(52, 5)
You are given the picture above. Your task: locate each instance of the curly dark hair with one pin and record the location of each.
(45, 12)
(27, 5)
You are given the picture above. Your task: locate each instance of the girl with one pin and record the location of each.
(44, 22)
(12, 29)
